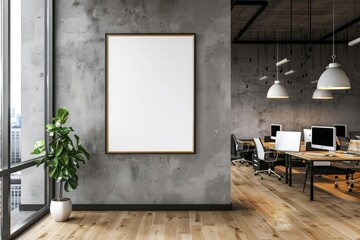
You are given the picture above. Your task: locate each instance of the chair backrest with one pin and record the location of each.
(260, 150)
(344, 143)
(268, 139)
(234, 145)
(354, 134)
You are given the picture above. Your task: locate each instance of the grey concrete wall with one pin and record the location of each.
(252, 113)
(32, 96)
(201, 178)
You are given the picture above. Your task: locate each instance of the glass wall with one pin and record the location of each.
(24, 195)
(1, 206)
(25, 109)
(27, 61)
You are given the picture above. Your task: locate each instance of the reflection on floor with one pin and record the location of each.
(263, 209)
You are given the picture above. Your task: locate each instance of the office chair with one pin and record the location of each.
(237, 151)
(351, 168)
(343, 168)
(354, 135)
(263, 155)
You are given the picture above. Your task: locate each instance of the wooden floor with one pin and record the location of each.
(263, 209)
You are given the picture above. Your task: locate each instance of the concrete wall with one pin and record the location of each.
(252, 113)
(201, 178)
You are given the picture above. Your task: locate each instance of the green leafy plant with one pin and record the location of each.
(63, 157)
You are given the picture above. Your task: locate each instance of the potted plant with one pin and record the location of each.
(62, 158)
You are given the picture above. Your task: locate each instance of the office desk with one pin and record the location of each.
(311, 158)
(268, 145)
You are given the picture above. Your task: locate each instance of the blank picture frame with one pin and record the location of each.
(150, 93)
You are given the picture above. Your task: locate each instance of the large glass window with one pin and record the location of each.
(25, 186)
(1, 206)
(27, 61)
(24, 107)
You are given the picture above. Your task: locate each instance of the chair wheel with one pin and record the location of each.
(262, 178)
(256, 174)
(279, 179)
(350, 189)
(269, 174)
(352, 185)
(336, 185)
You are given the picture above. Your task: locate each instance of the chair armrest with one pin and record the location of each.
(267, 152)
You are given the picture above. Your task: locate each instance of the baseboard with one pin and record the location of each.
(30, 207)
(152, 207)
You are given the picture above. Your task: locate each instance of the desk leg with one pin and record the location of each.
(311, 181)
(290, 172)
(286, 168)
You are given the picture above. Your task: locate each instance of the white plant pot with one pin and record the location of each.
(60, 210)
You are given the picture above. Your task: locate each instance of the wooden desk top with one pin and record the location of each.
(306, 155)
(338, 156)
(251, 143)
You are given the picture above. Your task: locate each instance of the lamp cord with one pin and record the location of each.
(277, 59)
(333, 56)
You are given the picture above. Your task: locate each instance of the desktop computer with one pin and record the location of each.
(274, 128)
(323, 138)
(307, 135)
(341, 130)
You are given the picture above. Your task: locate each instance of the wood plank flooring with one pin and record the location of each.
(262, 209)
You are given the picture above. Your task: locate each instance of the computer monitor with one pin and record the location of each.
(307, 135)
(323, 138)
(275, 127)
(288, 141)
(341, 130)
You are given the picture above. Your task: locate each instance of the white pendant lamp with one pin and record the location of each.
(322, 94)
(277, 90)
(334, 78)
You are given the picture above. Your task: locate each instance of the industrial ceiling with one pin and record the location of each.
(295, 21)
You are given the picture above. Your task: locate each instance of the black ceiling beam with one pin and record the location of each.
(343, 27)
(288, 42)
(233, 3)
(262, 5)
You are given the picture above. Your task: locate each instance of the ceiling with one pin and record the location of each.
(294, 21)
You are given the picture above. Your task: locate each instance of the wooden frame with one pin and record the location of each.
(150, 93)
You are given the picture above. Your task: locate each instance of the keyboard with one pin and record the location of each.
(316, 154)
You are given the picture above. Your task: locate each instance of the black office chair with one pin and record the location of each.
(343, 143)
(354, 135)
(337, 168)
(350, 168)
(262, 155)
(238, 150)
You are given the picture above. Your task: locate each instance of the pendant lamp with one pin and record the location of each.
(277, 90)
(334, 78)
(322, 94)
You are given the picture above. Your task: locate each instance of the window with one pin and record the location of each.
(25, 107)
